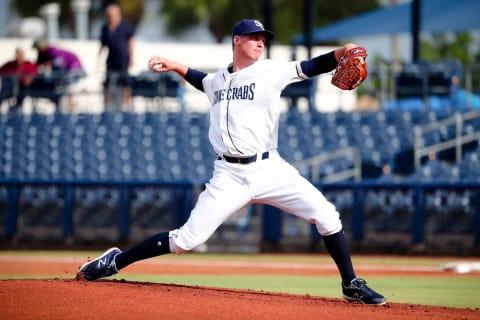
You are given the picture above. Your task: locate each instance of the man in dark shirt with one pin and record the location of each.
(117, 36)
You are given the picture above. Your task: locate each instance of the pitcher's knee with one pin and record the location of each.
(326, 228)
(180, 243)
(174, 248)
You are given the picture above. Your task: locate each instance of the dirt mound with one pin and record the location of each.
(72, 299)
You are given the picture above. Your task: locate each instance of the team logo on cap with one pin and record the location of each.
(258, 24)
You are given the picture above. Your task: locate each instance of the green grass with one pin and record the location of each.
(453, 291)
(305, 258)
(461, 292)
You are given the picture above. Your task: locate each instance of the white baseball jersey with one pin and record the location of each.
(245, 106)
(244, 122)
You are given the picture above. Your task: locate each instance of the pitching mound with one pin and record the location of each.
(72, 299)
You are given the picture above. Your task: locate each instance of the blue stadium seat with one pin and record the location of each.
(35, 201)
(302, 89)
(3, 207)
(48, 87)
(122, 145)
(95, 208)
(432, 170)
(469, 168)
(388, 210)
(151, 208)
(145, 85)
(449, 211)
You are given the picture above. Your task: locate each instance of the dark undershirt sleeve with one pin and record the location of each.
(195, 77)
(321, 64)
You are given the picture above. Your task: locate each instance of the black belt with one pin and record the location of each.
(243, 160)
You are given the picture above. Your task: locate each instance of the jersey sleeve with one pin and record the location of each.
(195, 78)
(283, 73)
(320, 64)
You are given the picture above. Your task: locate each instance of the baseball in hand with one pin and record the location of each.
(155, 66)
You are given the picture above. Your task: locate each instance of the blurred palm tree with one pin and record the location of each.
(220, 15)
(287, 15)
(132, 9)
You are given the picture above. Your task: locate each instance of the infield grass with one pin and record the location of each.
(438, 291)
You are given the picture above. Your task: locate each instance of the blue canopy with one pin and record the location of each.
(436, 16)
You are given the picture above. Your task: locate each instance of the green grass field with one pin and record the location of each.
(452, 291)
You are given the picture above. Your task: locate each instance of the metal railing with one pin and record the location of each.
(184, 197)
(49, 90)
(315, 162)
(457, 142)
(471, 82)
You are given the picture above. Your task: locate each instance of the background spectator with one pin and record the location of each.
(117, 36)
(64, 65)
(17, 77)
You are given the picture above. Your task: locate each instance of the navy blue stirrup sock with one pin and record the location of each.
(337, 247)
(150, 247)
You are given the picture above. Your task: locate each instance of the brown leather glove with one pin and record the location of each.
(351, 70)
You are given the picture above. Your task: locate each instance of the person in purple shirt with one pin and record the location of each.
(62, 64)
(117, 35)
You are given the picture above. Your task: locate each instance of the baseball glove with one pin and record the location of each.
(351, 71)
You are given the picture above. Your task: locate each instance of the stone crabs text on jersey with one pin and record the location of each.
(246, 92)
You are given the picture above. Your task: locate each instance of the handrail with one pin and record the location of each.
(457, 142)
(314, 163)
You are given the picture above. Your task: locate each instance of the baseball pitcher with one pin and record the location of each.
(244, 120)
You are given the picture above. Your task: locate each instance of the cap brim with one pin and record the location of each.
(268, 34)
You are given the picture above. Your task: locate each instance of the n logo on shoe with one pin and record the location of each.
(358, 296)
(102, 262)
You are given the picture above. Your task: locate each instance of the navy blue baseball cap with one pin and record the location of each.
(249, 26)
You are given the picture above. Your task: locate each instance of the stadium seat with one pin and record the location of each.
(48, 87)
(151, 208)
(95, 213)
(301, 89)
(35, 201)
(122, 145)
(388, 211)
(449, 211)
(432, 170)
(8, 91)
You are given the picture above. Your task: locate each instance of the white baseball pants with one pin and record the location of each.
(271, 181)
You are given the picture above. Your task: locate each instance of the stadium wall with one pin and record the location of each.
(62, 215)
